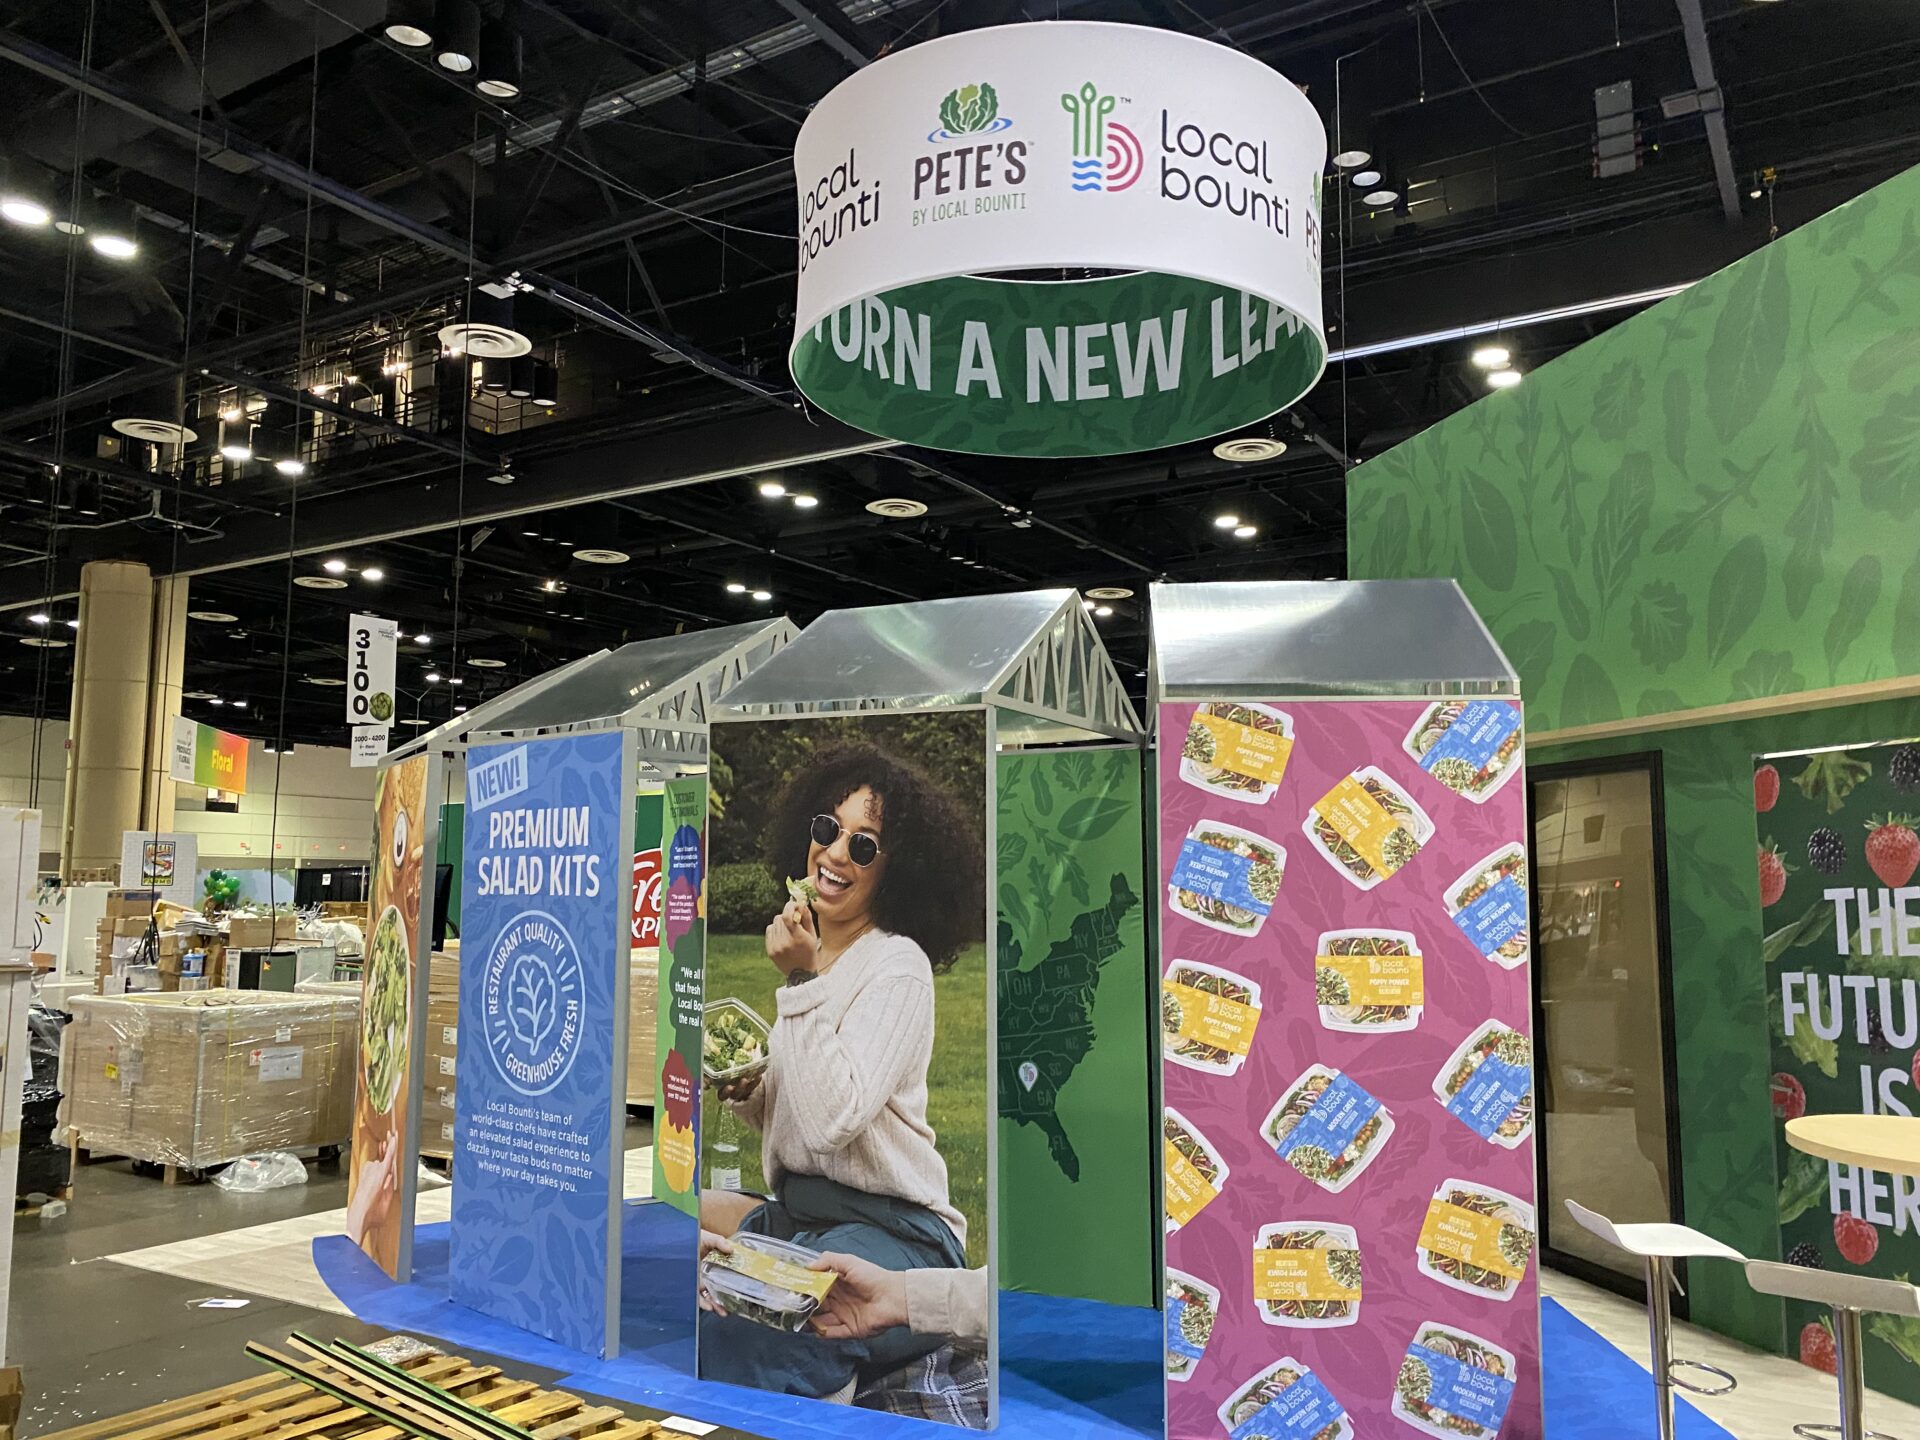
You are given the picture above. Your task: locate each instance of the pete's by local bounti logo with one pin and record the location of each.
(970, 110)
(1106, 154)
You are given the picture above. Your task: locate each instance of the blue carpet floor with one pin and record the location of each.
(1070, 1369)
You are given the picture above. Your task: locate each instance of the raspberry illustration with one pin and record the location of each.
(1856, 1240)
(1904, 768)
(1826, 851)
(1816, 1349)
(1773, 873)
(1790, 1096)
(1806, 1255)
(1893, 849)
(1766, 788)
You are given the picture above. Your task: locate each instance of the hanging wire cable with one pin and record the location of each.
(1426, 7)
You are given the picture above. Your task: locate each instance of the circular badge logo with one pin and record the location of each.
(531, 1002)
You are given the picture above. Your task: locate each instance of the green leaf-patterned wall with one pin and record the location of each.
(1714, 500)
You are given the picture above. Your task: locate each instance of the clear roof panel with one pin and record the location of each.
(615, 684)
(1328, 637)
(449, 733)
(925, 652)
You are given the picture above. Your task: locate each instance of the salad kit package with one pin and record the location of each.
(733, 1042)
(1347, 1073)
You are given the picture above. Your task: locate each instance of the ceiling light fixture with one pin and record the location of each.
(1380, 199)
(896, 508)
(113, 245)
(459, 709)
(502, 476)
(1503, 379)
(1352, 156)
(1110, 592)
(213, 617)
(1245, 532)
(239, 704)
(1365, 179)
(334, 567)
(520, 377)
(1101, 612)
(292, 469)
(410, 23)
(456, 35)
(734, 587)
(1492, 357)
(805, 502)
(216, 700)
(39, 617)
(501, 55)
(1249, 449)
(237, 451)
(546, 385)
(433, 677)
(772, 489)
(423, 638)
(24, 210)
(763, 595)
(552, 587)
(602, 557)
(232, 414)
(374, 573)
(486, 662)
(1225, 522)
(320, 582)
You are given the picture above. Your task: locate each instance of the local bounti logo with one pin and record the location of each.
(1106, 154)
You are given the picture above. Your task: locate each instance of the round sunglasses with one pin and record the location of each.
(862, 848)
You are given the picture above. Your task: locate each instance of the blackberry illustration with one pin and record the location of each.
(1904, 768)
(1806, 1255)
(1877, 1035)
(1826, 851)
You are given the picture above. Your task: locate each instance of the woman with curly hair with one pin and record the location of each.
(897, 889)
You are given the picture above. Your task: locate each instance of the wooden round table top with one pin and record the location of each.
(1887, 1143)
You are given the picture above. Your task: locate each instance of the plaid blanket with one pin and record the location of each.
(949, 1386)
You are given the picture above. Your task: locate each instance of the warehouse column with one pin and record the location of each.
(128, 662)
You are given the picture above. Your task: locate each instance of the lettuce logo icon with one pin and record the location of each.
(970, 110)
(530, 999)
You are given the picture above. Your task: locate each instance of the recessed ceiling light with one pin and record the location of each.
(334, 567)
(1492, 357)
(19, 210)
(1380, 199)
(1102, 611)
(486, 662)
(423, 638)
(602, 557)
(897, 508)
(531, 534)
(114, 247)
(459, 709)
(236, 452)
(432, 677)
(763, 595)
(1503, 379)
(213, 617)
(1110, 592)
(1225, 522)
(373, 572)
(319, 582)
(291, 468)
(239, 704)
(1085, 604)
(1365, 179)
(1346, 159)
(806, 502)
(455, 680)
(1249, 449)
(1245, 532)
(73, 624)
(416, 722)
(43, 642)
(772, 489)
(734, 587)
(326, 682)
(39, 617)
(216, 700)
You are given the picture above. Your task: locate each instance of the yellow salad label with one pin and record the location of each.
(1300, 1275)
(1379, 979)
(1246, 750)
(772, 1270)
(1468, 1236)
(1360, 820)
(1213, 1019)
(1188, 1191)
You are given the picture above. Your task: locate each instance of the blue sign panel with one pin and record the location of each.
(547, 913)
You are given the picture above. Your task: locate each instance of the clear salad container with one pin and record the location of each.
(1200, 1306)
(785, 1292)
(1337, 1010)
(1262, 1390)
(1483, 1040)
(1197, 765)
(1509, 862)
(1296, 1102)
(1478, 785)
(1517, 1237)
(1413, 824)
(1411, 1385)
(1197, 1054)
(1341, 1243)
(733, 1041)
(1268, 867)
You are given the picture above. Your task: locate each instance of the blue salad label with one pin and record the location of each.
(1303, 1409)
(1335, 1119)
(1492, 919)
(1465, 1390)
(1177, 1341)
(1490, 1094)
(1217, 874)
(1475, 736)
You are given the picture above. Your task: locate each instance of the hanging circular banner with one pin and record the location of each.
(1059, 239)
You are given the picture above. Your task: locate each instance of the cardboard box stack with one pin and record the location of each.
(186, 954)
(643, 1000)
(197, 1079)
(260, 932)
(443, 1037)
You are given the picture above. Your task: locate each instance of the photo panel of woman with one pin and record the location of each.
(847, 1064)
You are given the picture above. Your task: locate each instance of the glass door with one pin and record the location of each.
(1608, 1129)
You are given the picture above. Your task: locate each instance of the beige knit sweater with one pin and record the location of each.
(845, 1090)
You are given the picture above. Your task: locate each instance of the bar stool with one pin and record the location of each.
(1848, 1297)
(1658, 1245)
